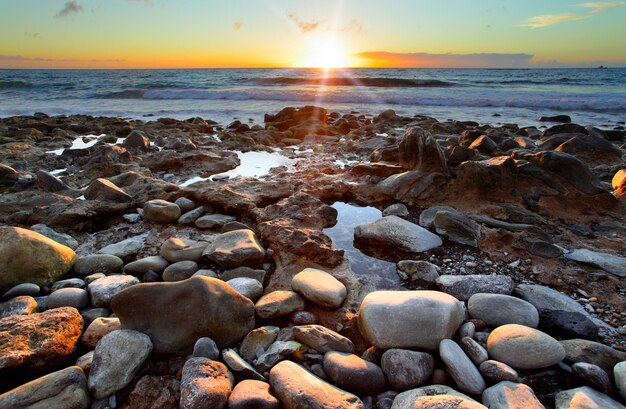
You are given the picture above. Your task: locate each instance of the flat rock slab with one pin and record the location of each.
(234, 249)
(524, 347)
(608, 262)
(393, 232)
(162, 310)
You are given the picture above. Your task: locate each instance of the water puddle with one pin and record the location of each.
(371, 272)
(82, 142)
(254, 164)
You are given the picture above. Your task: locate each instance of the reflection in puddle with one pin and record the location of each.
(371, 272)
(253, 164)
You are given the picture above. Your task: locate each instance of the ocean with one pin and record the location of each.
(493, 96)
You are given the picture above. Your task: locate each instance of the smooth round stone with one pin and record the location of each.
(179, 271)
(511, 395)
(251, 394)
(142, 266)
(351, 373)
(98, 329)
(445, 401)
(98, 263)
(396, 209)
(176, 249)
(319, 287)
(524, 347)
(185, 204)
(461, 368)
(500, 309)
(468, 329)
(68, 297)
(103, 290)
(91, 314)
(22, 289)
(278, 304)
(474, 350)
(407, 369)
(592, 375)
(205, 347)
(303, 318)
(161, 211)
(248, 287)
(205, 273)
(496, 371)
(619, 371)
(235, 249)
(68, 283)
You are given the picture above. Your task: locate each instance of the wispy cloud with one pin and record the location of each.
(237, 25)
(303, 26)
(71, 7)
(354, 25)
(593, 8)
(427, 60)
(18, 57)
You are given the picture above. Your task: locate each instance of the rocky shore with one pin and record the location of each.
(142, 265)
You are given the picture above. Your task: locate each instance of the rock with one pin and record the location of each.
(239, 366)
(205, 347)
(463, 287)
(618, 183)
(582, 350)
(445, 401)
(28, 289)
(406, 400)
(39, 341)
(191, 216)
(495, 371)
(468, 329)
(411, 186)
(98, 329)
(620, 378)
(397, 209)
(8, 175)
(419, 150)
(91, 314)
(142, 266)
(500, 309)
(98, 263)
(351, 373)
(395, 319)
(235, 249)
(249, 394)
(419, 271)
(157, 309)
(155, 392)
(61, 238)
(84, 363)
(185, 204)
(392, 232)
(497, 174)
(46, 259)
(136, 139)
(319, 287)
(204, 384)
(278, 304)
(176, 249)
(68, 297)
(407, 369)
(584, 397)
(297, 388)
(248, 287)
(608, 262)
(118, 357)
(49, 182)
(103, 189)
(20, 305)
(509, 395)
(68, 283)
(248, 272)
(593, 376)
(180, 270)
(214, 221)
(257, 340)
(427, 217)
(322, 339)
(64, 389)
(461, 368)
(277, 352)
(570, 169)
(161, 211)
(558, 313)
(524, 347)
(474, 350)
(206, 273)
(125, 249)
(457, 228)
(484, 144)
(104, 289)
(564, 119)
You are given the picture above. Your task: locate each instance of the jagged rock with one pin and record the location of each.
(20, 305)
(103, 189)
(419, 150)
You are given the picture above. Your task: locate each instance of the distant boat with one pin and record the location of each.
(602, 67)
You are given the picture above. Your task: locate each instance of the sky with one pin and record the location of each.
(293, 33)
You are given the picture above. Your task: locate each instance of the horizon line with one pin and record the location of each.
(310, 68)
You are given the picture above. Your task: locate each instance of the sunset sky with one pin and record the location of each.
(288, 33)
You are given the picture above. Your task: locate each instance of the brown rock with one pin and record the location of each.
(154, 392)
(204, 384)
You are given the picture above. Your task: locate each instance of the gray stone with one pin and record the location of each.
(104, 289)
(496, 371)
(93, 277)
(239, 366)
(582, 350)
(118, 357)
(248, 272)
(278, 304)
(213, 221)
(191, 216)
(249, 394)
(98, 263)
(427, 217)
(205, 347)
(24, 289)
(91, 314)
(319, 287)
(125, 249)
(524, 347)
(248, 287)
(583, 398)
(474, 350)
(68, 297)
(457, 228)
(397, 209)
(608, 262)
(593, 376)
(407, 369)
(61, 238)
(68, 283)
(97, 329)
(177, 249)
(131, 217)
(235, 249)
(257, 341)
(143, 265)
(619, 371)
(500, 309)
(180, 270)
(21, 305)
(84, 362)
(419, 271)
(468, 329)
(463, 287)
(276, 352)
(49, 182)
(461, 368)
(445, 401)
(392, 232)
(185, 204)
(351, 373)
(161, 211)
(205, 273)
(322, 339)
(509, 395)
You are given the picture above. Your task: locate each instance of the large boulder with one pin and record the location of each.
(29, 257)
(235, 248)
(176, 314)
(523, 347)
(419, 150)
(39, 341)
(409, 319)
(393, 232)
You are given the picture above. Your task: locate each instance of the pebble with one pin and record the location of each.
(319, 287)
(322, 339)
(161, 211)
(474, 350)
(248, 287)
(68, 297)
(205, 347)
(524, 347)
(180, 270)
(351, 373)
(495, 371)
(407, 369)
(461, 368)
(29, 289)
(279, 303)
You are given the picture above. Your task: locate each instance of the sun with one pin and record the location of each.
(325, 56)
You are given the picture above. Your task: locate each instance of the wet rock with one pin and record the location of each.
(20, 305)
(495, 371)
(248, 287)
(46, 260)
(104, 289)
(177, 249)
(61, 238)
(125, 249)
(584, 397)
(351, 373)
(204, 384)
(64, 389)
(463, 287)
(180, 270)
(500, 309)
(155, 392)
(142, 266)
(213, 221)
(103, 189)
(592, 375)
(322, 339)
(297, 388)
(250, 394)
(205, 347)
(457, 228)
(407, 369)
(461, 368)
(524, 347)
(156, 309)
(419, 150)
(68, 297)
(161, 211)
(278, 304)
(118, 357)
(608, 262)
(392, 232)
(583, 350)
(319, 287)
(395, 319)
(511, 395)
(235, 249)
(39, 341)
(97, 329)
(257, 340)
(239, 366)
(98, 263)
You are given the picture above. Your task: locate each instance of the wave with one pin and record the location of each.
(354, 82)
(563, 80)
(15, 84)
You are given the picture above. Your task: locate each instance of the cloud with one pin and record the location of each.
(354, 25)
(237, 25)
(71, 7)
(303, 25)
(427, 60)
(546, 20)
